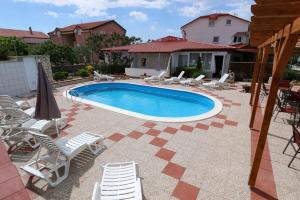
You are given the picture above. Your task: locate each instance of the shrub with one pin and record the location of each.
(83, 73)
(89, 69)
(61, 75)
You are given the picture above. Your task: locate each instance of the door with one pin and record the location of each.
(219, 66)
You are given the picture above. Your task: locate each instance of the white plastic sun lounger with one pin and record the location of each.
(9, 101)
(100, 77)
(220, 83)
(175, 79)
(196, 81)
(59, 154)
(155, 78)
(119, 181)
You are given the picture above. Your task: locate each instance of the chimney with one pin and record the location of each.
(30, 30)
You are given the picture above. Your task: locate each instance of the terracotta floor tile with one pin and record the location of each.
(236, 104)
(149, 124)
(153, 132)
(165, 154)
(7, 172)
(226, 105)
(228, 101)
(185, 191)
(21, 195)
(187, 128)
(135, 134)
(217, 124)
(71, 114)
(219, 116)
(170, 130)
(158, 142)
(88, 108)
(62, 110)
(10, 187)
(116, 137)
(74, 109)
(76, 105)
(4, 158)
(231, 123)
(202, 126)
(174, 170)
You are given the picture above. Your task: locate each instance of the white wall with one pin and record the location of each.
(13, 79)
(199, 30)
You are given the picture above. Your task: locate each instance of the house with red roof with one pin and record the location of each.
(153, 57)
(76, 34)
(28, 36)
(217, 28)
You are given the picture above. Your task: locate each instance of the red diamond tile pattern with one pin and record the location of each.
(174, 170)
(149, 124)
(165, 154)
(159, 142)
(116, 137)
(187, 128)
(170, 130)
(217, 124)
(135, 134)
(185, 191)
(202, 126)
(153, 132)
(219, 116)
(231, 123)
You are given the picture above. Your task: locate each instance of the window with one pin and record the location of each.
(228, 22)
(194, 57)
(237, 39)
(206, 61)
(216, 39)
(143, 62)
(182, 60)
(58, 34)
(211, 23)
(101, 32)
(77, 31)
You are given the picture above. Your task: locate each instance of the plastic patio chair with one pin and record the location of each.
(59, 154)
(196, 81)
(285, 109)
(119, 181)
(175, 79)
(294, 139)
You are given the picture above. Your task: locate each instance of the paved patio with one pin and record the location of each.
(208, 159)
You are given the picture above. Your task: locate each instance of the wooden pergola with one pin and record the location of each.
(275, 29)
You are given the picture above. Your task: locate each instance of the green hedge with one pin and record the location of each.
(190, 72)
(110, 68)
(83, 73)
(61, 75)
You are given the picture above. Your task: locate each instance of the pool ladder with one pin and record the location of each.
(74, 93)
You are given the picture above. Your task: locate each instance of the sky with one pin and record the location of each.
(148, 19)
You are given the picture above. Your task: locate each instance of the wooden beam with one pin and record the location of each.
(286, 8)
(273, 1)
(255, 73)
(264, 61)
(285, 53)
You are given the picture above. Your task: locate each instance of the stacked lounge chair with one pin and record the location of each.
(193, 82)
(175, 79)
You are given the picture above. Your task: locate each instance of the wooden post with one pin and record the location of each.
(255, 73)
(284, 54)
(265, 57)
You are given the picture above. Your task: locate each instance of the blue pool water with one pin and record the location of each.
(146, 100)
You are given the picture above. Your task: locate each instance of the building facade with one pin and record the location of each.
(28, 36)
(76, 34)
(218, 28)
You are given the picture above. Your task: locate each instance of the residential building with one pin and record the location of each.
(76, 34)
(153, 57)
(28, 36)
(218, 28)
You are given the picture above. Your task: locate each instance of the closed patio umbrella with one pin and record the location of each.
(46, 106)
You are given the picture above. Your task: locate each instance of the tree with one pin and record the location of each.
(82, 54)
(59, 54)
(12, 46)
(199, 63)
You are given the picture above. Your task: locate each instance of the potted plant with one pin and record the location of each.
(246, 88)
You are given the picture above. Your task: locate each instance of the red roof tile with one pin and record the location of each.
(169, 44)
(85, 26)
(22, 33)
(215, 16)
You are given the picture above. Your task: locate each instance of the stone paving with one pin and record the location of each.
(208, 159)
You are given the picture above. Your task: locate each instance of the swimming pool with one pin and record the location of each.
(148, 102)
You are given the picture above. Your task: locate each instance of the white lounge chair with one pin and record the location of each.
(100, 77)
(196, 81)
(9, 101)
(119, 181)
(59, 154)
(219, 84)
(155, 78)
(175, 79)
